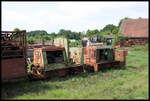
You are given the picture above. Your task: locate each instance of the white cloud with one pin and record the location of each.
(76, 16)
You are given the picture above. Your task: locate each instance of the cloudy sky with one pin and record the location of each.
(74, 16)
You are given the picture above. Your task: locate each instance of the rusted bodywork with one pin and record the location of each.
(75, 54)
(40, 59)
(101, 56)
(13, 55)
(52, 61)
(62, 42)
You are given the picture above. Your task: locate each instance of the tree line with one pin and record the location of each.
(35, 36)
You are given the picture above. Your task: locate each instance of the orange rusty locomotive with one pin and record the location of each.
(57, 60)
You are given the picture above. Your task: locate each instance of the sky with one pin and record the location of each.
(74, 16)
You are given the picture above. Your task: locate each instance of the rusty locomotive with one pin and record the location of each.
(56, 60)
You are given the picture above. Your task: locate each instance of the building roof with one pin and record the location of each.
(134, 27)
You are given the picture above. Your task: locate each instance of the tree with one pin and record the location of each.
(30, 40)
(109, 28)
(92, 33)
(115, 30)
(119, 37)
(61, 32)
(16, 29)
(69, 34)
(75, 44)
(105, 32)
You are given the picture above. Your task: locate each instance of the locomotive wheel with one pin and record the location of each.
(36, 73)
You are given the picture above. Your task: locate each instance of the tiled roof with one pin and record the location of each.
(135, 28)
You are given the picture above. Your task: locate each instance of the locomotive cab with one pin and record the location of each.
(50, 57)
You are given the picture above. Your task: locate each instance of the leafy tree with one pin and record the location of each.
(105, 33)
(101, 37)
(92, 33)
(115, 30)
(36, 36)
(119, 37)
(16, 29)
(109, 28)
(30, 40)
(36, 33)
(46, 37)
(75, 44)
(69, 34)
(61, 32)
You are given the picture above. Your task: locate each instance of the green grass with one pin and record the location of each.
(130, 82)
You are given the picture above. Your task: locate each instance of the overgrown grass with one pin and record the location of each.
(127, 83)
(140, 47)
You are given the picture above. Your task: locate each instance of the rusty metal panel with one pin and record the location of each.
(75, 54)
(62, 42)
(89, 55)
(52, 48)
(13, 68)
(41, 57)
(13, 44)
(13, 55)
(120, 55)
(38, 57)
(46, 47)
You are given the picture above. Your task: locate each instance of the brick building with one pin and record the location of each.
(135, 31)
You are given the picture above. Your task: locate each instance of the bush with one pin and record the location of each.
(30, 40)
(119, 37)
(75, 44)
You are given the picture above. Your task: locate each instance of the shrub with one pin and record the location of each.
(119, 37)
(30, 40)
(75, 44)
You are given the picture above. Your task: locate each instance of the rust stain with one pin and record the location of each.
(13, 54)
(52, 48)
